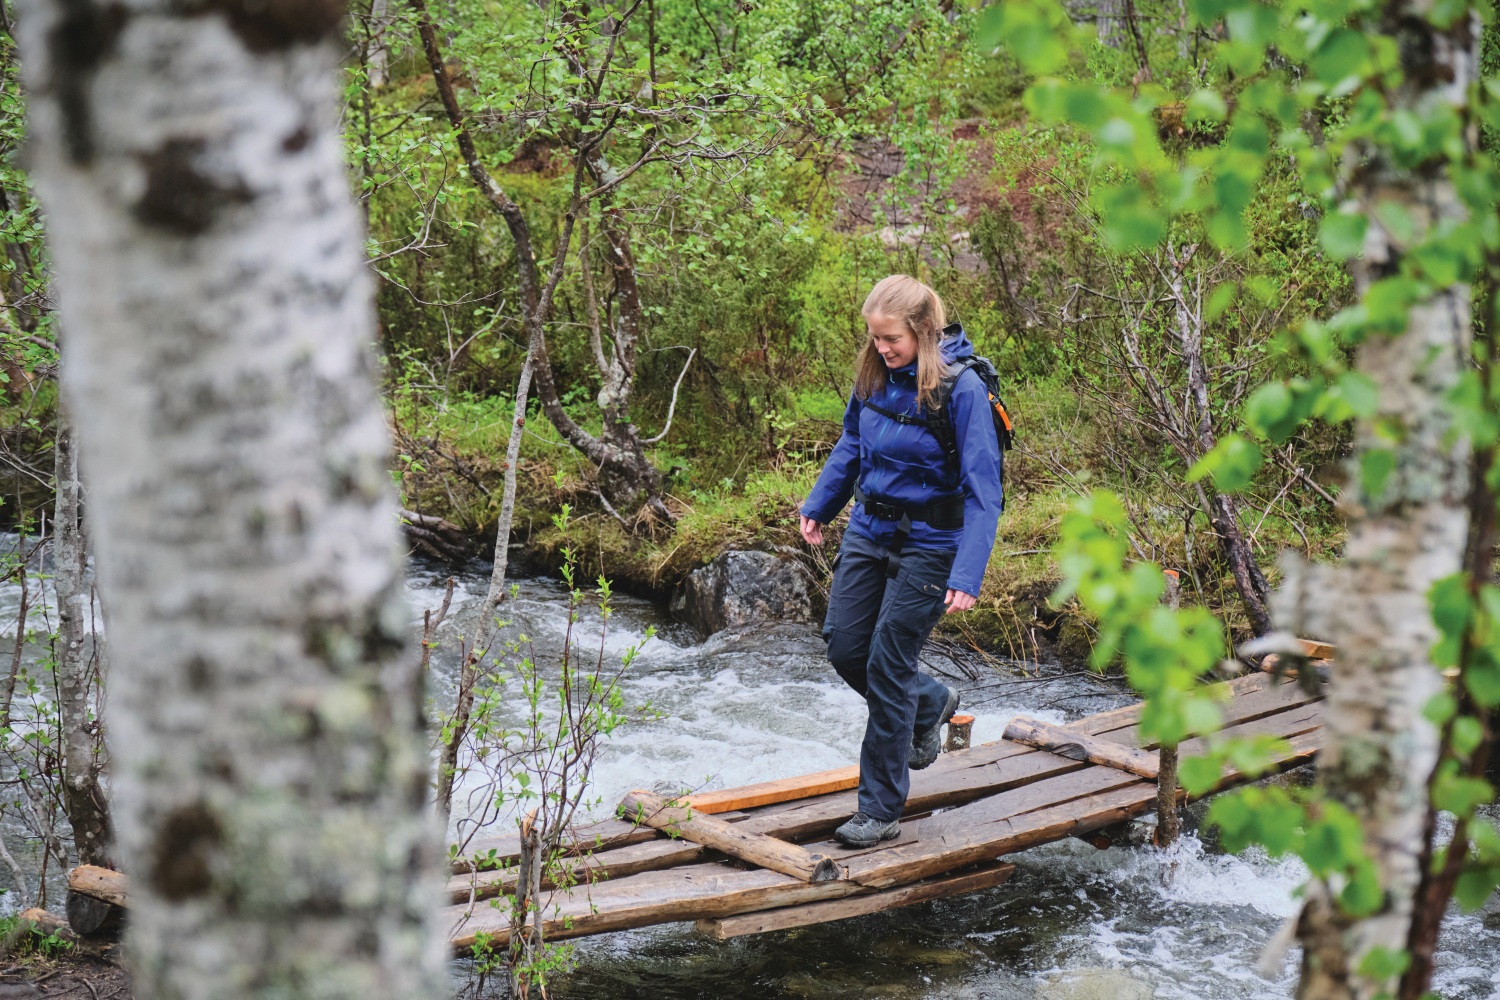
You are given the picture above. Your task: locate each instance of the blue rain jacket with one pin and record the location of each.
(903, 464)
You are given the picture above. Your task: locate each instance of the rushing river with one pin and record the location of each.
(1073, 923)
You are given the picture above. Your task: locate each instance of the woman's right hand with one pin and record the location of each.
(812, 532)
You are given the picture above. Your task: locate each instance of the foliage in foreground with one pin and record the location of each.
(1327, 85)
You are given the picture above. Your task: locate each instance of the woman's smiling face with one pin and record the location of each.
(895, 343)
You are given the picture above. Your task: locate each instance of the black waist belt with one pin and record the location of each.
(946, 515)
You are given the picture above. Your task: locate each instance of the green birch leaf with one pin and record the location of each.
(1206, 106)
(1198, 774)
(1483, 681)
(1343, 234)
(1233, 462)
(1475, 885)
(1375, 468)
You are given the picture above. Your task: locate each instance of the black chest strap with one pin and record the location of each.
(900, 418)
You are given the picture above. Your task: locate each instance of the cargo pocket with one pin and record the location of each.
(917, 606)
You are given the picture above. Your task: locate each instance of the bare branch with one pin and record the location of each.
(673, 407)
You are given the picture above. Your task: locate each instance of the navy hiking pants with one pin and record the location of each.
(875, 628)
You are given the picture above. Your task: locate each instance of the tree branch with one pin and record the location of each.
(673, 407)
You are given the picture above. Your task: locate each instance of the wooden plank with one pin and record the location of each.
(1081, 746)
(99, 883)
(1315, 650)
(652, 810)
(781, 790)
(585, 868)
(1073, 789)
(690, 893)
(963, 835)
(703, 891)
(983, 877)
(992, 827)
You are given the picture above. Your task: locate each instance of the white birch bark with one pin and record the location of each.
(270, 771)
(1108, 14)
(83, 795)
(380, 57)
(1379, 750)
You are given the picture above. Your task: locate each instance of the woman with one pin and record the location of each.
(918, 540)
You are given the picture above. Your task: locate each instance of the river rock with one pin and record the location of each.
(1094, 984)
(739, 588)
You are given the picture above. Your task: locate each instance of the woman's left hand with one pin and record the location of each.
(957, 600)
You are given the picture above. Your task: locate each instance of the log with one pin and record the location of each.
(44, 922)
(755, 848)
(90, 917)
(1080, 746)
(960, 733)
(437, 537)
(100, 883)
(39, 922)
(982, 877)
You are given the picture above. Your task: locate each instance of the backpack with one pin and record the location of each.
(942, 427)
(937, 420)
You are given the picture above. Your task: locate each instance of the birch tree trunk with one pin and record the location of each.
(1223, 509)
(83, 795)
(1379, 750)
(1108, 21)
(269, 766)
(380, 57)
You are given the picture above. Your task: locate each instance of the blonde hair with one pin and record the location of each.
(905, 299)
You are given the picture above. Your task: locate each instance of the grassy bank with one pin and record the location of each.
(1062, 451)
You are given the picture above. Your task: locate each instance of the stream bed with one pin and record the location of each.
(1074, 923)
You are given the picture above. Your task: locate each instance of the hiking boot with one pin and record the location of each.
(866, 831)
(926, 744)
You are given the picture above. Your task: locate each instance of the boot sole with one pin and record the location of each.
(862, 844)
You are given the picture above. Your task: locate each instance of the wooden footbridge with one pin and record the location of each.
(759, 858)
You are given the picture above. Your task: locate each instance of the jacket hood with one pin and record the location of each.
(954, 343)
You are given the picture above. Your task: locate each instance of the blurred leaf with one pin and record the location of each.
(1475, 885)
(1343, 234)
(1198, 775)
(1233, 462)
(1131, 222)
(1206, 106)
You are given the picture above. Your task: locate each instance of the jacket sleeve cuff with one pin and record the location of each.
(970, 587)
(821, 516)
